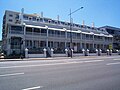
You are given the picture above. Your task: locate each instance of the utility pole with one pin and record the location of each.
(71, 45)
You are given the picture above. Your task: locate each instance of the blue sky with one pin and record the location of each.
(101, 12)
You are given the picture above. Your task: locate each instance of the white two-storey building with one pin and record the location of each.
(36, 32)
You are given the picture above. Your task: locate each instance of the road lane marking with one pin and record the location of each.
(13, 74)
(113, 63)
(93, 61)
(33, 88)
(74, 62)
(117, 59)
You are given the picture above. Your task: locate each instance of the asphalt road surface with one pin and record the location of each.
(96, 73)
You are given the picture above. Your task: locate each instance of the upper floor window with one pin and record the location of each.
(10, 20)
(76, 25)
(46, 20)
(34, 18)
(25, 17)
(17, 16)
(10, 15)
(43, 31)
(16, 28)
(63, 23)
(41, 19)
(30, 18)
(52, 21)
(51, 31)
(28, 29)
(37, 19)
(36, 30)
(62, 32)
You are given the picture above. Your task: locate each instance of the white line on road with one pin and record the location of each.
(94, 61)
(13, 74)
(33, 88)
(113, 63)
(117, 59)
(51, 64)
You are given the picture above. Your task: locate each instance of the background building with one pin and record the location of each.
(116, 35)
(36, 32)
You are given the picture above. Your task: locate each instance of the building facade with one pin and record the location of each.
(115, 32)
(36, 32)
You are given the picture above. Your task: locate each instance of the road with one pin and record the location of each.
(96, 73)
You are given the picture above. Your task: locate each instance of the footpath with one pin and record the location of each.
(53, 58)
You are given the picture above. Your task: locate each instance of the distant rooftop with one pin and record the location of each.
(111, 27)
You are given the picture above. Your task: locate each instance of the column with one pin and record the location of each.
(47, 36)
(93, 42)
(81, 40)
(24, 39)
(32, 37)
(65, 37)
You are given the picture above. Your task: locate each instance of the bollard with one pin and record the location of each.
(66, 52)
(83, 50)
(110, 52)
(117, 52)
(96, 52)
(26, 53)
(99, 52)
(71, 52)
(52, 52)
(45, 52)
(107, 51)
(87, 54)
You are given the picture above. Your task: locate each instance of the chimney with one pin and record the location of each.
(21, 16)
(22, 10)
(83, 23)
(58, 17)
(41, 14)
(93, 25)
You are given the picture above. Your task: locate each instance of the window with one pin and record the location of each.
(52, 21)
(63, 23)
(83, 36)
(17, 16)
(36, 30)
(10, 15)
(51, 31)
(43, 43)
(74, 35)
(43, 31)
(25, 17)
(68, 34)
(46, 20)
(41, 20)
(30, 18)
(10, 20)
(34, 18)
(28, 29)
(16, 28)
(57, 33)
(37, 19)
(78, 35)
(62, 33)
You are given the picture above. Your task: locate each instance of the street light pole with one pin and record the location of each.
(71, 45)
(70, 36)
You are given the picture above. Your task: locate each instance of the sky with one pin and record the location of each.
(101, 12)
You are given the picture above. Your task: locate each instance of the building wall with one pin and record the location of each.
(37, 32)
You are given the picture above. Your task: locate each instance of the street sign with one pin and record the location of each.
(110, 46)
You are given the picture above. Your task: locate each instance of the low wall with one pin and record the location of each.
(36, 55)
(59, 55)
(77, 54)
(115, 54)
(93, 54)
